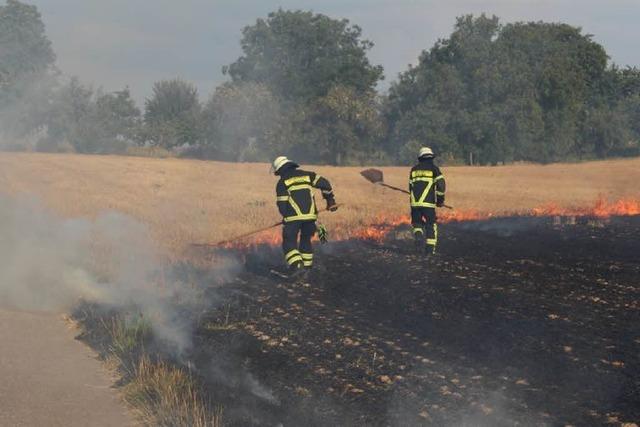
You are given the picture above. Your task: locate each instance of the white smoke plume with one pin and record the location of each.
(23, 117)
(50, 263)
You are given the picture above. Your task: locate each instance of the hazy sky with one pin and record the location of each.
(115, 43)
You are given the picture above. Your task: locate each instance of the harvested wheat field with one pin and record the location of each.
(188, 201)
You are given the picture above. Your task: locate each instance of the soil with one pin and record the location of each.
(517, 321)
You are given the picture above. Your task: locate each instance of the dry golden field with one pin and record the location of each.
(185, 201)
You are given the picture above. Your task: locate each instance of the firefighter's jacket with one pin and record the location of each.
(426, 185)
(294, 193)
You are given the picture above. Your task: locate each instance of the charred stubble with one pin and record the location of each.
(516, 321)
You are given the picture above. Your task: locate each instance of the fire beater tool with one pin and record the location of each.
(250, 233)
(376, 176)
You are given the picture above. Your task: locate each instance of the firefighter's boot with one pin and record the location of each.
(429, 250)
(418, 239)
(432, 239)
(297, 271)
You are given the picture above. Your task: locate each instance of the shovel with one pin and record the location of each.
(376, 176)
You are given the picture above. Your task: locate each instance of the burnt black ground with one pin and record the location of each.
(515, 322)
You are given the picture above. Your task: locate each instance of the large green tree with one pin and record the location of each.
(118, 116)
(91, 122)
(25, 49)
(26, 69)
(322, 82)
(172, 114)
(523, 91)
(561, 69)
(302, 55)
(67, 122)
(446, 100)
(345, 126)
(239, 122)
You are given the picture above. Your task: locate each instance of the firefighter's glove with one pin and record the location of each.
(323, 235)
(440, 201)
(331, 204)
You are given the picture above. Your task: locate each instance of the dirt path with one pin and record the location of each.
(49, 378)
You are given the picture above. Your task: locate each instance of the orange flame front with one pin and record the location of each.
(601, 209)
(378, 229)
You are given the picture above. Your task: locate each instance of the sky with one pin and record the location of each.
(116, 43)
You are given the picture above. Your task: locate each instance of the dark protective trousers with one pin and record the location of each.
(425, 226)
(298, 253)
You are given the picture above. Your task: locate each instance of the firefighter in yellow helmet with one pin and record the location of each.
(296, 203)
(426, 188)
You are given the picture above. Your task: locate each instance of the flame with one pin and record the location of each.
(380, 227)
(601, 209)
(271, 237)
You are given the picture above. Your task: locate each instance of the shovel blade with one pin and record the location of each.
(374, 176)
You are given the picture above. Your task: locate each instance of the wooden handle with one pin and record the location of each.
(394, 188)
(250, 233)
(406, 192)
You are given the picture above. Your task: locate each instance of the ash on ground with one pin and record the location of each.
(525, 321)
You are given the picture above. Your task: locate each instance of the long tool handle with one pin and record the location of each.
(394, 188)
(406, 192)
(250, 233)
(241, 236)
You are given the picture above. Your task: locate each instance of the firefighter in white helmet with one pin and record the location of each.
(296, 203)
(426, 188)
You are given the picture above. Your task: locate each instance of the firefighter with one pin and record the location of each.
(426, 188)
(296, 203)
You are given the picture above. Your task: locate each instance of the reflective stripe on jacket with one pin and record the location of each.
(426, 185)
(294, 194)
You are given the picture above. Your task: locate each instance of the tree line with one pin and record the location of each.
(490, 93)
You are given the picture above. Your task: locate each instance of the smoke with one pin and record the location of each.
(471, 406)
(24, 109)
(242, 121)
(50, 263)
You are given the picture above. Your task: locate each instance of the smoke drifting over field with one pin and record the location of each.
(22, 117)
(49, 263)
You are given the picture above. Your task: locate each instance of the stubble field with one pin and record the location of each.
(517, 321)
(190, 201)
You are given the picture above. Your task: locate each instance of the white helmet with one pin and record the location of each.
(426, 152)
(279, 162)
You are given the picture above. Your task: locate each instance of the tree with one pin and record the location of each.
(25, 48)
(563, 70)
(91, 122)
(67, 121)
(26, 69)
(118, 116)
(300, 55)
(321, 84)
(240, 121)
(172, 114)
(445, 99)
(346, 126)
(515, 92)
(606, 132)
